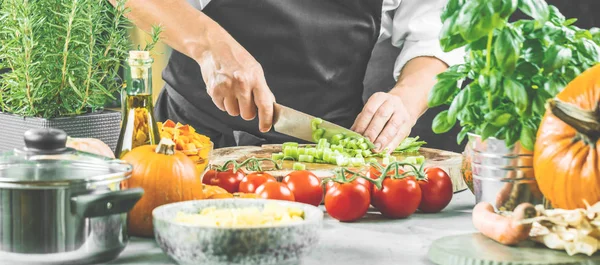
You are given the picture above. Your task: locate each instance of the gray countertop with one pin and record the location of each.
(373, 240)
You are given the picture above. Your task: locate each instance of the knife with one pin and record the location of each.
(298, 124)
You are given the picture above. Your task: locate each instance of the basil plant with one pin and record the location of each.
(510, 69)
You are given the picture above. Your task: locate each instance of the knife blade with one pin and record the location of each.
(298, 124)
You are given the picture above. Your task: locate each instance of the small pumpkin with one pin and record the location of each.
(567, 149)
(166, 175)
(90, 145)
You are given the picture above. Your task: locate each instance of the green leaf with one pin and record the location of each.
(507, 50)
(441, 124)
(508, 8)
(537, 9)
(451, 8)
(462, 134)
(539, 102)
(512, 135)
(441, 92)
(516, 92)
(458, 103)
(527, 137)
(533, 51)
(556, 57)
(450, 38)
(498, 118)
(527, 69)
(588, 48)
(477, 19)
(569, 22)
(555, 16)
(488, 131)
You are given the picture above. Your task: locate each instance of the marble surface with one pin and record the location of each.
(373, 240)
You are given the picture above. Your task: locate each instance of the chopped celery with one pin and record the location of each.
(301, 151)
(385, 160)
(311, 151)
(357, 161)
(319, 154)
(366, 153)
(336, 138)
(363, 146)
(277, 156)
(298, 166)
(314, 124)
(291, 151)
(341, 161)
(286, 144)
(306, 158)
(318, 134)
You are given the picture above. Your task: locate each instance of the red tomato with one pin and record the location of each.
(275, 191)
(227, 180)
(437, 190)
(347, 202)
(253, 180)
(305, 186)
(398, 198)
(374, 173)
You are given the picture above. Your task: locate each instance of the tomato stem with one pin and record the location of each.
(251, 164)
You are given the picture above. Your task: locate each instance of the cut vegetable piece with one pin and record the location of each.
(291, 151)
(301, 151)
(286, 144)
(363, 146)
(337, 138)
(341, 161)
(315, 123)
(311, 151)
(306, 158)
(277, 156)
(298, 166)
(366, 153)
(318, 134)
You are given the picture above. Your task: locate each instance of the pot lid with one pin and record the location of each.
(46, 162)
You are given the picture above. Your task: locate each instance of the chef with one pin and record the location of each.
(233, 59)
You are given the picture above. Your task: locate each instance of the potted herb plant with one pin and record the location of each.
(61, 62)
(511, 69)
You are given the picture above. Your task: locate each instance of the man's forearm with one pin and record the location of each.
(185, 29)
(415, 81)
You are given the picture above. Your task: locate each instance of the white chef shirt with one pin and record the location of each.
(412, 25)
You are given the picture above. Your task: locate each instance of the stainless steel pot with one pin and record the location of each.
(62, 206)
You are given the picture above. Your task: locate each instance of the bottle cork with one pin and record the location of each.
(139, 64)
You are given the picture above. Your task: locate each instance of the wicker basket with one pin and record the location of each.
(105, 125)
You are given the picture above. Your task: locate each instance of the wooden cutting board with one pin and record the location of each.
(449, 161)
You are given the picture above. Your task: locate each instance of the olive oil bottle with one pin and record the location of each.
(138, 126)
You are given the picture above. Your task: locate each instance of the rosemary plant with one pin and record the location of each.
(63, 56)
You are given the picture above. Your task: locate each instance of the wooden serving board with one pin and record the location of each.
(449, 161)
(478, 249)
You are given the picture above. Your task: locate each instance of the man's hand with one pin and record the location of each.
(234, 79)
(236, 83)
(387, 118)
(384, 120)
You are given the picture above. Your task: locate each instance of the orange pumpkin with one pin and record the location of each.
(567, 149)
(166, 175)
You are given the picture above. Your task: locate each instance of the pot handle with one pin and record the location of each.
(108, 203)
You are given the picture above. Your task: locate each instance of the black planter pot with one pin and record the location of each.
(105, 125)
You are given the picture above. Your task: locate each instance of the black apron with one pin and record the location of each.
(314, 54)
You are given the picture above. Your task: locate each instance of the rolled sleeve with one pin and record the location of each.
(416, 29)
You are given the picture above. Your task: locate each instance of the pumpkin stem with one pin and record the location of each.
(166, 147)
(586, 122)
